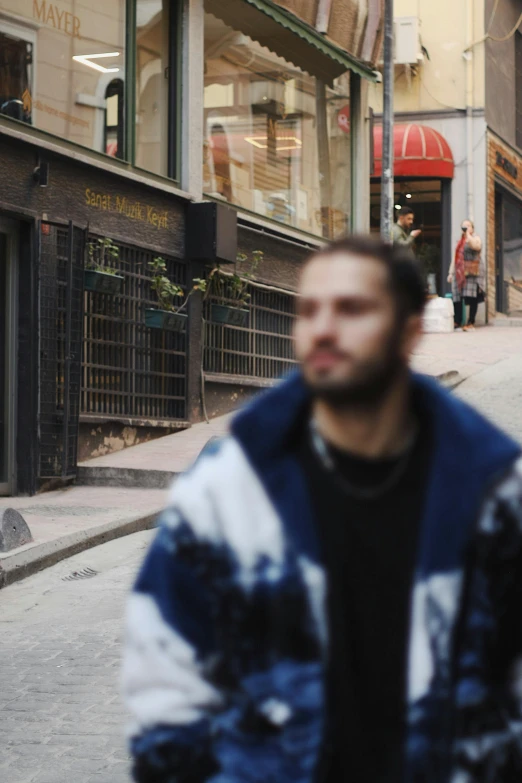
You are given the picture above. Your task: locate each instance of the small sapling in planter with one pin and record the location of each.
(99, 274)
(229, 290)
(169, 316)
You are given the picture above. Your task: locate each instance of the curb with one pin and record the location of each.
(24, 564)
(127, 478)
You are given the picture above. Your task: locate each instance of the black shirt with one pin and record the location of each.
(369, 550)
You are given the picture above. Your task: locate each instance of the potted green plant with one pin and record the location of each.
(229, 292)
(168, 315)
(100, 275)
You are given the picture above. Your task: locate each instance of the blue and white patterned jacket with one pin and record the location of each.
(227, 638)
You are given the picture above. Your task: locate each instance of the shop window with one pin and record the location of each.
(154, 77)
(54, 72)
(277, 140)
(114, 120)
(16, 73)
(512, 241)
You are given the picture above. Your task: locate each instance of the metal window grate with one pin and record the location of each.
(263, 348)
(130, 369)
(61, 291)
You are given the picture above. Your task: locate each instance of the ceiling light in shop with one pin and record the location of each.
(86, 59)
(397, 206)
(289, 142)
(408, 195)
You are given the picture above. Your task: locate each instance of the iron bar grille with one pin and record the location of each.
(130, 369)
(61, 292)
(263, 347)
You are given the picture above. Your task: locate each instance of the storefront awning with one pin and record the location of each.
(419, 151)
(288, 37)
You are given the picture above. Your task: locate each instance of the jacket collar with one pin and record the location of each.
(469, 454)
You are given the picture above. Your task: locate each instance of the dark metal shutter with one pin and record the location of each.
(61, 262)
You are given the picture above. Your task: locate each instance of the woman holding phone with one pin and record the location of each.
(466, 275)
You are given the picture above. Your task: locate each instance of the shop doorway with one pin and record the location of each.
(508, 253)
(499, 261)
(8, 237)
(430, 201)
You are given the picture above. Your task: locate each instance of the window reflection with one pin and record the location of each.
(16, 59)
(277, 141)
(152, 79)
(512, 241)
(114, 119)
(56, 65)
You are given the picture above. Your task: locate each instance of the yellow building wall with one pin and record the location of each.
(439, 83)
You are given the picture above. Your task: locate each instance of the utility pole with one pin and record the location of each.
(387, 191)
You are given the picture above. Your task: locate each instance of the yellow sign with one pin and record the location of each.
(135, 210)
(50, 14)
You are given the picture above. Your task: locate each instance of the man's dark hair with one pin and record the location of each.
(405, 211)
(405, 278)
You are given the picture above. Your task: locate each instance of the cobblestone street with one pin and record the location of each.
(60, 635)
(62, 721)
(497, 392)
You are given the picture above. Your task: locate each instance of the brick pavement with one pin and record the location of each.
(62, 720)
(497, 393)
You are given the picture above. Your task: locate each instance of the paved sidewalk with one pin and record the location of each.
(155, 463)
(67, 521)
(467, 352)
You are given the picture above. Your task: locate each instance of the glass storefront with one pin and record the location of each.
(152, 94)
(508, 253)
(277, 140)
(62, 69)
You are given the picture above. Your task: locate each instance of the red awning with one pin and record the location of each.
(420, 151)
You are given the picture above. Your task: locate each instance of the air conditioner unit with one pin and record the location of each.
(407, 40)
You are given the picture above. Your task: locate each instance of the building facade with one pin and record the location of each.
(440, 125)
(458, 103)
(118, 120)
(504, 150)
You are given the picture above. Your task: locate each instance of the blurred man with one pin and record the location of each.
(401, 230)
(335, 591)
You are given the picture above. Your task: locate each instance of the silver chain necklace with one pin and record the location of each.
(324, 454)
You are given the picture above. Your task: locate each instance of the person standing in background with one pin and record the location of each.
(466, 275)
(401, 231)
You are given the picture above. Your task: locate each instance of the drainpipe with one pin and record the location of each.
(387, 191)
(468, 54)
(322, 20)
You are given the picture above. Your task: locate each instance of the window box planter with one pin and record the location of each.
(166, 319)
(102, 282)
(231, 316)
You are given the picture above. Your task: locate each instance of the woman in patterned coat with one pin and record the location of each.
(464, 284)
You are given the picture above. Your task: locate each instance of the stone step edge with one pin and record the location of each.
(127, 478)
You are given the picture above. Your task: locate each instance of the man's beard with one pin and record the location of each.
(369, 384)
